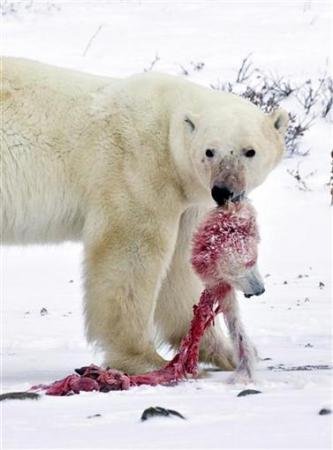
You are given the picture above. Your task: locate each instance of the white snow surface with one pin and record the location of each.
(291, 323)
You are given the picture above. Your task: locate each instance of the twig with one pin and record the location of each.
(220, 86)
(184, 71)
(311, 97)
(197, 66)
(244, 70)
(152, 64)
(331, 179)
(300, 178)
(328, 97)
(91, 40)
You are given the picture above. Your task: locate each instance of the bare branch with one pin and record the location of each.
(91, 40)
(197, 66)
(152, 64)
(220, 86)
(300, 178)
(184, 70)
(244, 71)
(331, 179)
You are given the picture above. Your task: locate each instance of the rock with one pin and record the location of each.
(93, 416)
(159, 411)
(325, 411)
(248, 392)
(43, 312)
(321, 285)
(19, 396)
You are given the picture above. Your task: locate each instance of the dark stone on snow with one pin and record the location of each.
(248, 392)
(93, 416)
(159, 411)
(325, 411)
(19, 396)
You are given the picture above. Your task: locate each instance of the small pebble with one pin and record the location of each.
(308, 345)
(325, 411)
(321, 285)
(285, 282)
(94, 415)
(248, 392)
(306, 299)
(43, 312)
(159, 411)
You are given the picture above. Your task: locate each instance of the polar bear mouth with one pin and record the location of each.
(238, 197)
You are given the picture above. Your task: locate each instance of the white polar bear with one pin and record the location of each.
(127, 166)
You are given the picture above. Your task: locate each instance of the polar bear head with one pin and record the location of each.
(231, 146)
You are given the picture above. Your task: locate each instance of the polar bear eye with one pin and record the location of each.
(249, 153)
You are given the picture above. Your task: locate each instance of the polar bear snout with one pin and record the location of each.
(228, 181)
(221, 194)
(252, 284)
(259, 292)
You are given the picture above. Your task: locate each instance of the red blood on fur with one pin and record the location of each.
(227, 237)
(223, 237)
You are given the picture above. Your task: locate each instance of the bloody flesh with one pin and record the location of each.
(94, 378)
(226, 238)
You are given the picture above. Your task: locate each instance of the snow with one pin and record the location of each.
(290, 323)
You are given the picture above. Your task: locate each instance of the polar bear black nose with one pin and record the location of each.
(258, 292)
(221, 194)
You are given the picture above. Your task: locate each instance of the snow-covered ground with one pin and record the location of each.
(290, 323)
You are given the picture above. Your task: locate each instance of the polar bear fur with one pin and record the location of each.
(120, 164)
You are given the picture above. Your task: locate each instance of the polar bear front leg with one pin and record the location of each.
(123, 274)
(180, 290)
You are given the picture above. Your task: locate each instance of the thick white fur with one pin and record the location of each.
(115, 164)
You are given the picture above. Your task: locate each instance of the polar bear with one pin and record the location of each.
(128, 166)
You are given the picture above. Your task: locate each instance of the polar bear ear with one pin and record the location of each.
(190, 122)
(280, 119)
